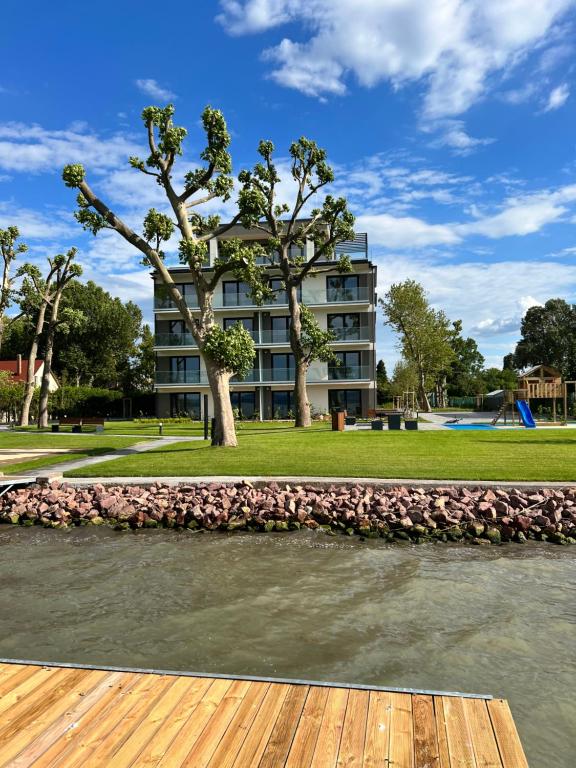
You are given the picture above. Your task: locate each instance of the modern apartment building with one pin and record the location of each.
(344, 303)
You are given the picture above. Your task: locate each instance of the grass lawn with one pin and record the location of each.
(84, 446)
(491, 455)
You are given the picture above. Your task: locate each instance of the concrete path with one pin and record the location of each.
(66, 466)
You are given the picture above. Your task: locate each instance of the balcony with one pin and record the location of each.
(181, 377)
(351, 334)
(348, 372)
(345, 295)
(174, 340)
(278, 336)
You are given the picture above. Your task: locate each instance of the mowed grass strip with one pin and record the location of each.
(445, 455)
(82, 446)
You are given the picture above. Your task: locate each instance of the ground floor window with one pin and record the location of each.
(185, 404)
(282, 404)
(350, 399)
(244, 403)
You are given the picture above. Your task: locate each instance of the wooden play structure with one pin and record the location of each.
(542, 382)
(406, 403)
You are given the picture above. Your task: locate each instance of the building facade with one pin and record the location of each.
(346, 304)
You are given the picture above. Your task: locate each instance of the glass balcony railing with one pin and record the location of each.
(276, 336)
(348, 372)
(174, 340)
(343, 295)
(351, 334)
(253, 375)
(165, 302)
(278, 374)
(181, 377)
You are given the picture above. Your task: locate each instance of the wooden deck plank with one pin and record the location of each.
(441, 735)
(458, 734)
(377, 745)
(37, 701)
(281, 736)
(156, 717)
(231, 742)
(71, 717)
(351, 752)
(509, 745)
(306, 736)
(194, 725)
(426, 754)
(255, 742)
(53, 739)
(156, 747)
(96, 730)
(26, 733)
(401, 731)
(330, 732)
(74, 731)
(205, 746)
(482, 735)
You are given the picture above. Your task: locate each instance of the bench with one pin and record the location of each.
(77, 422)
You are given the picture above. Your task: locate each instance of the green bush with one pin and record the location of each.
(85, 401)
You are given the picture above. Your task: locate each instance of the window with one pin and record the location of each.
(283, 367)
(177, 326)
(350, 399)
(244, 403)
(185, 404)
(342, 288)
(247, 322)
(349, 367)
(282, 404)
(345, 326)
(279, 329)
(185, 369)
(163, 300)
(236, 293)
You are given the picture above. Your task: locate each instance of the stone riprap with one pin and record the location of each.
(476, 515)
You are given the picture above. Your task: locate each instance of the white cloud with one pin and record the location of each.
(557, 98)
(153, 89)
(494, 326)
(450, 46)
(32, 148)
(35, 225)
(405, 231)
(454, 136)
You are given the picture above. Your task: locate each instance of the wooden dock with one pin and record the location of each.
(87, 717)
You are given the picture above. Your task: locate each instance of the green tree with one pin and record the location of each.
(463, 375)
(284, 246)
(64, 270)
(11, 395)
(99, 351)
(225, 353)
(493, 379)
(142, 370)
(549, 337)
(382, 383)
(9, 249)
(404, 378)
(424, 334)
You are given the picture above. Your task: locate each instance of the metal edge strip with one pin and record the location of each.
(251, 678)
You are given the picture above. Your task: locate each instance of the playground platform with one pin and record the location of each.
(74, 716)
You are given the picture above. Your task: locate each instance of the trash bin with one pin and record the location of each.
(349, 421)
(338, 417)
(394, 421)
(76, 428)
(377, 424)
(411, 424)
(55, 427)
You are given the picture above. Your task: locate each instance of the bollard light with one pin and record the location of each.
(160, 428)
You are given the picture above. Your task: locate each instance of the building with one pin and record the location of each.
(18, 369)
(344, 303)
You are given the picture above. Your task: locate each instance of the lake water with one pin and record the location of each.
(499, 620)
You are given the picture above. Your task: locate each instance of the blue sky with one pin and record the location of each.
(451, 125)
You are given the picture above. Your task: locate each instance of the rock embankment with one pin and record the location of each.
(477, 515)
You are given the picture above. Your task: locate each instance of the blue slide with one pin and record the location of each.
(525, 414)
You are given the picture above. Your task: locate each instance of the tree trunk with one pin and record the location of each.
(224, 427)
(423, 396)
(45, 385)
(32, 355)
(302, 417)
